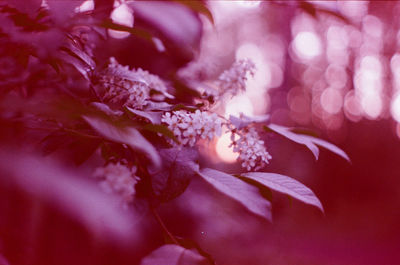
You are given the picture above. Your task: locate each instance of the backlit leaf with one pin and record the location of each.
(69, 192)
(152, 116)
(162, 129)
(238, 190)
(301, 139)
(331, 147)
(106, 109)
(173, 255)
(179, 166)
(198, 6)
(286, 185)
(244, 121)
(172, 21)
(125, 135)
(63, 10)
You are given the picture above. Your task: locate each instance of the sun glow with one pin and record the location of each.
(223, 150)
(307, 45)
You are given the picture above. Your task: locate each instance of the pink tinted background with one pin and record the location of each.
(337, 77)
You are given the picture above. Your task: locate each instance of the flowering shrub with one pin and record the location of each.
(62, 97)
(118, 179)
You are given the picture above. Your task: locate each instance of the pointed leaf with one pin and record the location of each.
(152, 116)
(125, 135)
(200, 7)
(286, 185)
(172, 21)
(301, 139)
(106, 109)
(151, 105)
(135, 31)
(72, 50)
(3, 260)
(62, 10)
(180, 165)
(173, 255)
(238, 190)
(162, 129)
(331, 147)
(244, 121)
(69, 191)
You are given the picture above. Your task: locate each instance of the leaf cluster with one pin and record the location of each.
(52, 93)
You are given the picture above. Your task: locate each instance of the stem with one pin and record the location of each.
(164, 228)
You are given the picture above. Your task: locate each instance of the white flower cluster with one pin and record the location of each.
(189, 127)
(116, 178)
(234, 79)
(199, 70)
(153, 81)
(251, 149)
(129, 87)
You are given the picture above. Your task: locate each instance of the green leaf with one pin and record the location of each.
(126, 135)
(286, 185)
(153, 116)
(331, 147)
(244, 121)
(67, 190)
(310, 141)
(300, 139)
(238, 190)
(144, 34)
(158, 128)
(179, 166)
(198, 6)
(173, 255)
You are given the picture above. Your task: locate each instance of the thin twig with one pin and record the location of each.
(161, 223)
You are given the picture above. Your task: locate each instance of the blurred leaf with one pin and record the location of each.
(103, 8)
(82, 149)
(244, 120)
(198, 6)
(286, 185)
(178, 169)
(191, 244)
(109, 24)
(314, 8)
(62, 10)
(81, 55)
(174, 22)
(25, 6)
(54, 141)
(69, 192)
(153, 116)
(184, 93)
(173, 255)
(126, 135)
(300, 139)
(158, 128)
(331, 147)
(308, 7)
(3, 260)
(106, 109)
(83, 68)
(161, 106)
(238, 190)
(78, 147)
(184, 107)
(23, 20)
